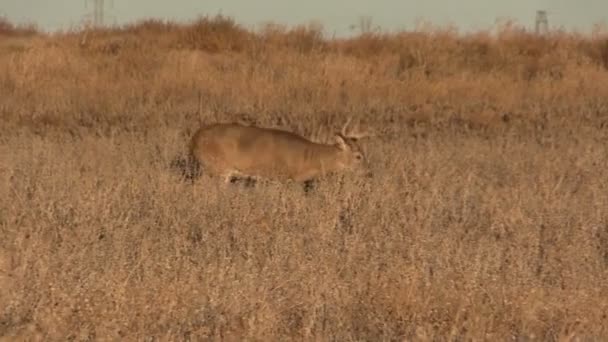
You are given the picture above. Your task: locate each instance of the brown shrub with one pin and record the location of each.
(216, 34)
(9, 29)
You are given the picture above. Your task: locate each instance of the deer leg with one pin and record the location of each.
(309, 185)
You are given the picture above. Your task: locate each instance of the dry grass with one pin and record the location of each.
(486, 217)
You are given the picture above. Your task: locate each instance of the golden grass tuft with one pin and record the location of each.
(485, 219)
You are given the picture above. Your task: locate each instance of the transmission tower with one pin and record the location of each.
(542, 22)
(98, 14)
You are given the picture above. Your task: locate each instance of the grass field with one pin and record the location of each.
(486, 218)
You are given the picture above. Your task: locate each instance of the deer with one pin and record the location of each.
(229, 150)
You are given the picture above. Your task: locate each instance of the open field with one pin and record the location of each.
(486, 217)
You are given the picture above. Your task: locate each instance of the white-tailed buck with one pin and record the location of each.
(229, 149)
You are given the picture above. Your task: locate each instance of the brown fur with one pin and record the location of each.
(232, 149)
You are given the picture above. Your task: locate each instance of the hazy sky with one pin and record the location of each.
(336, 16)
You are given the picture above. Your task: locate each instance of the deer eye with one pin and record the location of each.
(359, 157)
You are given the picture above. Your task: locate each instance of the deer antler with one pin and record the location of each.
(355, 134)
(343, 130)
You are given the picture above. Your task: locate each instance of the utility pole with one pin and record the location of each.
(542, 22)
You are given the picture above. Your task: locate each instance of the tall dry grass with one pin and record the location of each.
(486, 217)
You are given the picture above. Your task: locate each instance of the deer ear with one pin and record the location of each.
(340, 143)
